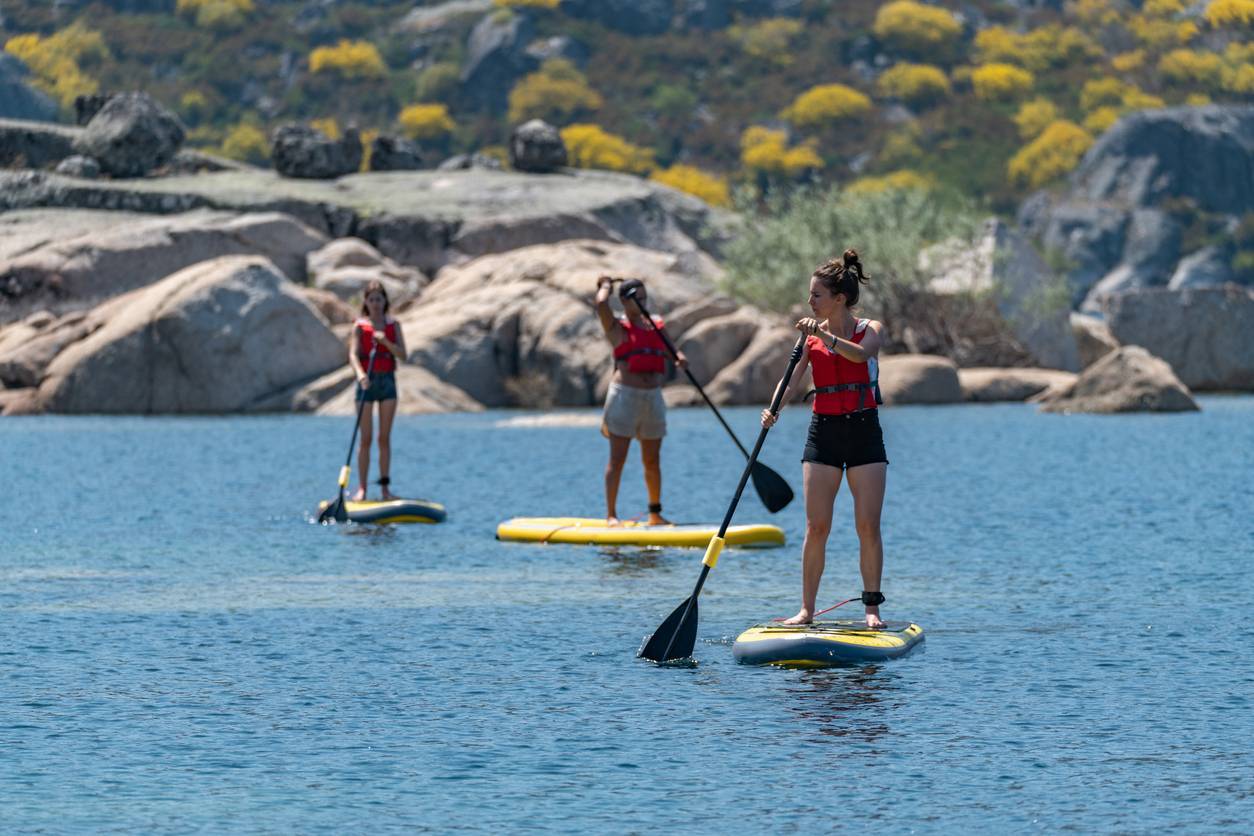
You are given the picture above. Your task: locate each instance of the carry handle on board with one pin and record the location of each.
(336, 509)
(771, 487)
(677, 635)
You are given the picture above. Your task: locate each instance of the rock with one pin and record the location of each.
(686, 316)
(26, 144)
(188, 161)
(1089, 238)
(1150, 250)
(1002, 265)
(79, 166)
(708, 15)
(496, 57)
(1203, 153)
(131, 135)
(394, 153)
(1205, 334)
(88, 105)
(26, 362)
(1208, 267)
(19, 401)
(989, 385)
(1129, 379)
(346, 265)
(713, 344)
(752, 377)
(434, 18)
(461, 162)
(333, 309)
(919, 378)
(420, 393)
(221, 336)
(304, 152)
(536, 147)
(558, 46)
(1092, 338)
(18, 99)
(424, 219)
(634, 17)
(61, 270)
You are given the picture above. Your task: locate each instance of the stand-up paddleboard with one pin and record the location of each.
(589, 531)
(824, 643)
(383, 511)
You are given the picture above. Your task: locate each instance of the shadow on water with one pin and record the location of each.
(845, 702)
(375, 535)
(631, 562)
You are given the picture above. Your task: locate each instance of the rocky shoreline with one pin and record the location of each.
(232, 289)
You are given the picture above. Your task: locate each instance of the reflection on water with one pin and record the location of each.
(845, 702)
(630, 561)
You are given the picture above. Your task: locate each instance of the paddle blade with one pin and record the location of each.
(677, 636)
(334, 511)
(771, 487)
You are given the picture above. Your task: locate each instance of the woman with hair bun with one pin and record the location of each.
(844, 437)
(378, 333)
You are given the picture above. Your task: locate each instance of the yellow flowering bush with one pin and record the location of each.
(1230, 14)
(348, 59)
(59, 61)
(426, 122)
(914, 84)
(766, 151)
(903, 180)
(246, 142)
(327, 125)
(217, 14)
(1197, 100)
(1094, 13)
(711, 188)
(1001, 82)
(1034, 117)
(916, 29)
(827, 103)
(557, 93)
(589, 146)
(1126, 62)
(1100, 120)
(1192, 67)
(1038, 50)
(1055, 152)
(1161, 33)
(768, 40)
(1240, 80)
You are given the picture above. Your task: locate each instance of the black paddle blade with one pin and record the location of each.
(771, 487)
(334, 511)
(678, 633)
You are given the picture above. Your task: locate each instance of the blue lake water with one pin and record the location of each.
(181, 649)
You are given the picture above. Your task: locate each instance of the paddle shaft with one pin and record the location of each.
(691, 378)
(793, 359)
(361, 402)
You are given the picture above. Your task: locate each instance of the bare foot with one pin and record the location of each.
(803, 617)
(658, 519)
(359, 495)
(386, 493)
(873, 618)
(613, 522)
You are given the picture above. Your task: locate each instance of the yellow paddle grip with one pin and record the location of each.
(344, 474)
(712, 551)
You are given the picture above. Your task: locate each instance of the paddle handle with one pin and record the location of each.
(631, 294)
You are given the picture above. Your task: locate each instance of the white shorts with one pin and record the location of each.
(634, 413)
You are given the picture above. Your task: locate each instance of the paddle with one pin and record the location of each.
(677, 635)
(771, 487)
(336, 508)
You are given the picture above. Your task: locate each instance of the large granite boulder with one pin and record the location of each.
(983, 385)
(131, 135)
(66, 260)
(496, 57)
(919, 379)
(1092, 338)
(1206, 334)
(537, 147)
(1150, 160)
(25, 352)
(304, 152)
(18, 99)
(1127, 380)
(346, 265)
(752, 377)
(77, 165)
(1003, 268)
(224, 335)
(395, 153)
(26, 144)
(419, 393)
(1208, 267)
(713, 344)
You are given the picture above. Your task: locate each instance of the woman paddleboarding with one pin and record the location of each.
(844, 435)
(378, 335)
(634, 407)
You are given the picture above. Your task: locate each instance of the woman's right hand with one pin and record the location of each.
(768, 419)
(808, 326)
(363, 380)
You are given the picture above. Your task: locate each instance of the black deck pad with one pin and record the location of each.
(836, 627)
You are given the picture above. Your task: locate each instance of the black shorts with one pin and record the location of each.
(382, 387)
(845, 441)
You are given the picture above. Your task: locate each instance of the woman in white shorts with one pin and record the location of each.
(634, 407)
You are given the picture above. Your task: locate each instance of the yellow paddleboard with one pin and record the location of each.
(589, 531)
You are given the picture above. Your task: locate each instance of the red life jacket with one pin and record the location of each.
(383, 359)
(642, 348)
(842, 386)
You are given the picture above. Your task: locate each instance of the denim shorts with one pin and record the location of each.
(382, 387)
(845, 441)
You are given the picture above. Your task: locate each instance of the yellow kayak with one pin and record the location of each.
(589, 531)
(824, 643)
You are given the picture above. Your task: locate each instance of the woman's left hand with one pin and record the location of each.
(808, 326)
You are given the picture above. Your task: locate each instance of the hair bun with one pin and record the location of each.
(851, 257)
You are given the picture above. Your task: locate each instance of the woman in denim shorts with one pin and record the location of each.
(376, 330)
